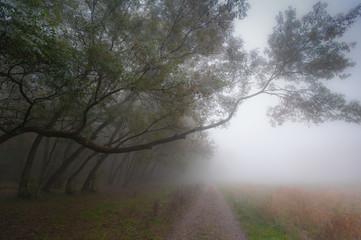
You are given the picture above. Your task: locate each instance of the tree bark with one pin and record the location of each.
(113, 175)
(68, 188)
(150, 173)
(67, 162)
(25, 175)
(43, 166)
(58, 184)
(129, 171)
(110, 170)
(88, 185)
(142, 174)
(61, 169)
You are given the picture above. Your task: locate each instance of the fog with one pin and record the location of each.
(249, 149)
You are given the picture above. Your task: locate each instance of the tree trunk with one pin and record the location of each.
(142, 173)
(113, 175)
(58, 184)
(24, 180)
(126, 170)
(68, 188)
(110, 170)
(88, 185)
(47, 159)
(90, 180)
(68, 161)
(52, 180)
(149, 174)
(43, 165)
(129, 172)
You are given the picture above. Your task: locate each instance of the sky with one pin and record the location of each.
(250, 150)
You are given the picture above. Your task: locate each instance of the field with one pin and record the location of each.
(142, 213)
(307, 213)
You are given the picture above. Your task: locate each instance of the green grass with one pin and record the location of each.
(117, 215)
(252, 221)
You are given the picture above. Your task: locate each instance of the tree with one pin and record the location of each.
(307, 52)
(171, 65)
(92, 64)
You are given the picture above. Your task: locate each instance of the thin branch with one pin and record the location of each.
(145, 130)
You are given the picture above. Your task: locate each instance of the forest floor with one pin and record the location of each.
(135, 213)
(209, 217)
(171, 212)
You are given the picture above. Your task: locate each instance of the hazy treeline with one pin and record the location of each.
(64, 164)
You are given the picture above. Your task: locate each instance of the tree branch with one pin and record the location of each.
(105, 149)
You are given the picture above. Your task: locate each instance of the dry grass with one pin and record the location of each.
(330, 213)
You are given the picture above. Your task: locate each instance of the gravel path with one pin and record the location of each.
(209, 218)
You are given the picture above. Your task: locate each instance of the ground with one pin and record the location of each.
(209, 217)
(168, 212)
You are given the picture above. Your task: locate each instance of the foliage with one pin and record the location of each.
(107, 61)
(305, 51)
(155, 71)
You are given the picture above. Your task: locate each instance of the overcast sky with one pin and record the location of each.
(249, 149)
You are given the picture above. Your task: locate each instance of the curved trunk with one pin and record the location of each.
(46, 163)
(43, 165)
(68, 161)
(142, 174)
(113, 175)
(129, 173)
(68, 188)
(88, 185)
(52, 180)
(61, 178)
(24, 180)
(90, 180)
(149, 174)
(110, 171)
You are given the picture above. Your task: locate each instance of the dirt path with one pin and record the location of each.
(209, 218)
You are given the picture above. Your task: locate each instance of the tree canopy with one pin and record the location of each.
(144, 73)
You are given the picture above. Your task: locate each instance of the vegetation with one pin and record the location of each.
(329, 213)
(91, 78)
(120, 92)
(143, 213)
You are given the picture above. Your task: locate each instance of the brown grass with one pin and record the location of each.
(332, 213)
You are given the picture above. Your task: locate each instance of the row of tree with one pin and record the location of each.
(63, 164)
(119, 77)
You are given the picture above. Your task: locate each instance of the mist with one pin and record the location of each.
(180, 119)
(250, 149)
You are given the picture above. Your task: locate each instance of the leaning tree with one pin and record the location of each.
(153, 71)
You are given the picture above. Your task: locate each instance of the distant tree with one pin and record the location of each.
(164, 69)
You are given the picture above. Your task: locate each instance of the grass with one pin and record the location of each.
(296, 213)
(148, 214)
